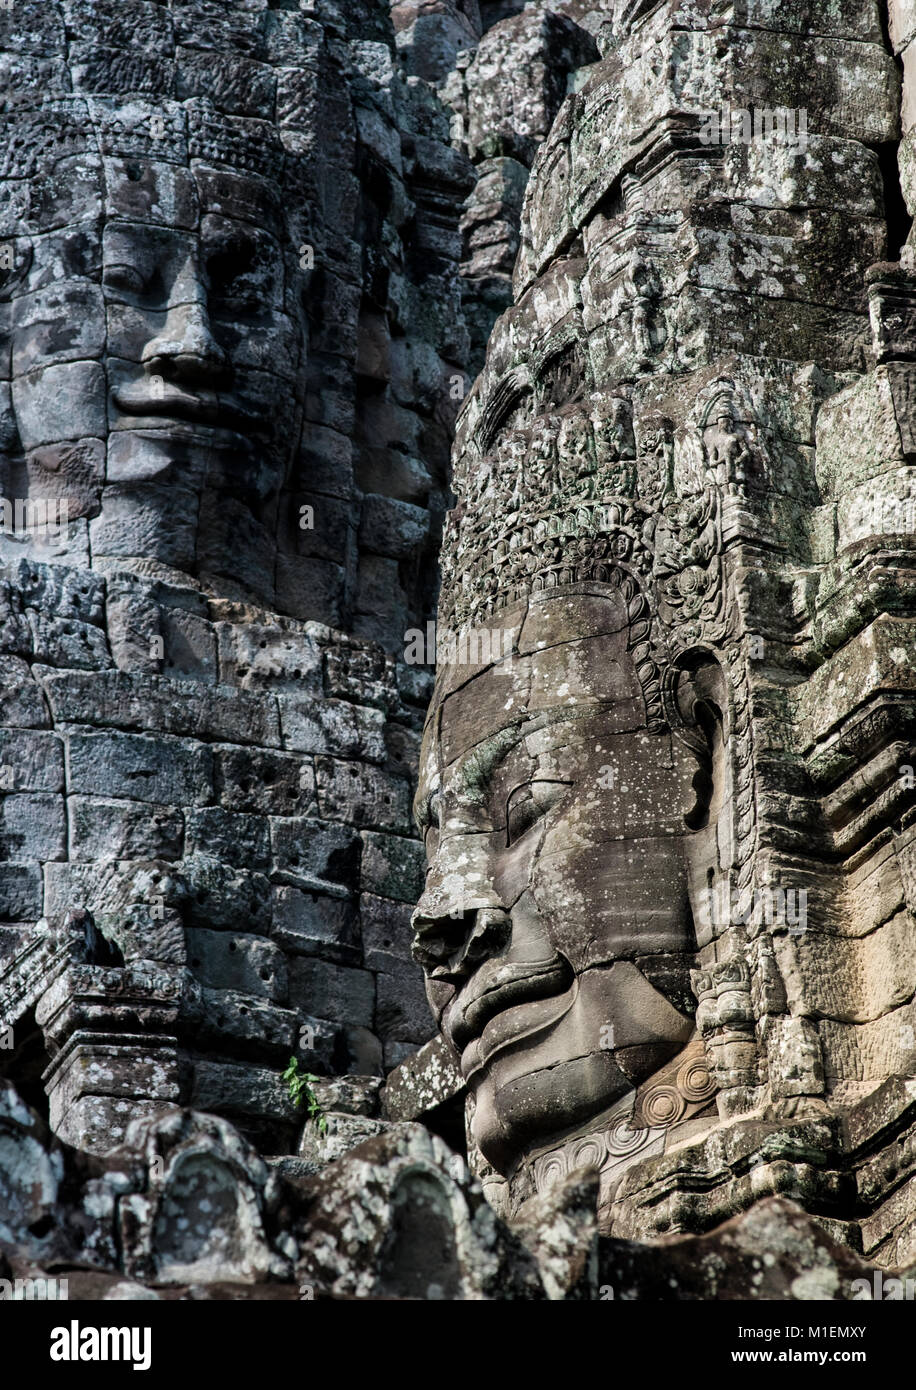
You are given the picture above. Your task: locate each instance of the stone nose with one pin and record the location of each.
(451, 947)
(186, 352)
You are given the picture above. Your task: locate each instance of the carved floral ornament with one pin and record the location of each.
(589, 491)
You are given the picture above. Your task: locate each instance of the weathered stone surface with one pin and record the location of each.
(339, 993)
(667, 805)
(424, 1081)
(123, 829)
(248, 259)
(341, 1134)
(308, 923)
(392, 1193)
(201, 1212)
(392, 866)
(221, 234)
(170, 771)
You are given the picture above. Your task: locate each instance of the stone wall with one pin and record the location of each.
(250, 257)
(210, 733)
(208, 728)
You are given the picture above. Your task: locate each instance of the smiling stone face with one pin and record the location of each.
(556, 927)
(199, 345)
(158, 339)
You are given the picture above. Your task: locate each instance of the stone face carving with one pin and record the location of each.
(556, 927)
(667, 773)
(666, 928)
(225, 410)
(193, 297)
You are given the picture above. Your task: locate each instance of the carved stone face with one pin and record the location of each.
(555, 929)
(156, 346)
(197, 340)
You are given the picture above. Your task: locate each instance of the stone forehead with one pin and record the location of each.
(559, 649)
(225, 79)
(35, 140)
(561, 682)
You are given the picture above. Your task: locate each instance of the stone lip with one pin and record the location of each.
(497, 988)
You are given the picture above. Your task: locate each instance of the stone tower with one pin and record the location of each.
(230, 308)
(668, 929)
(251, 254)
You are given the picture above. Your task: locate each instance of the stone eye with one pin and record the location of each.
(229, 271)
(125, 278)
(528, 803)
(429, 824)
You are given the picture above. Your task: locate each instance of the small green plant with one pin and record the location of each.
(299, 1084)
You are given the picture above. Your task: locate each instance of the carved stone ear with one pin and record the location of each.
(699, 681)
(686, 692)
(695, 712)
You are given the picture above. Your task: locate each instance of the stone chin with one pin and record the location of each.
(198, 456)
(539, 1072)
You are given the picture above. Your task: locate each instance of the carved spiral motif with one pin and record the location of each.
(622, 1140)
(550, 1170)
(588, 1153)
(662, 1105)
(695, 1082)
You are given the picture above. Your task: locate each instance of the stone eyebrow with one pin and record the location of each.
(477, 769)
(480, 764)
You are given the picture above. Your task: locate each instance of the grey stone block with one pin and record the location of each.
(393, 866)
(65, 401)
(279, 784)
(362, 795)
(342, 995)
(239, 839)
(233, 1088)
(100, 827)
(317, 725)
(246, 964)
(402, 1009)
(190, 645)
(66, 642)
(306, 851)
(21, 702)
(146, 520)
(386, 931)
(140, 767)
(222, 1020)
(390, 527)
(343, 1133)
(31, 762)
(314, 924)
(262, 657)
(32, 826)
(226, 897)
(158, 703)
(20, 892)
